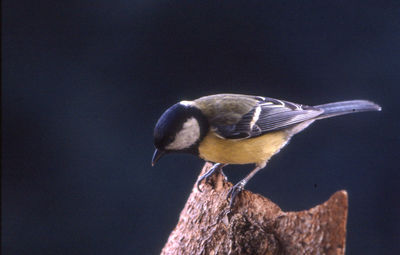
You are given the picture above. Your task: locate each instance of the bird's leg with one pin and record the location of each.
(216, 167)
(238, 187)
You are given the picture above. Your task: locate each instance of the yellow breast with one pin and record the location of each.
(241, 151)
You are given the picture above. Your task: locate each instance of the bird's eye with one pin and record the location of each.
(170, 138)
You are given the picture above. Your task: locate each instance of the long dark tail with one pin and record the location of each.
(345, 107)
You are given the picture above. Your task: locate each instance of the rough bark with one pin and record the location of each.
(255, 225)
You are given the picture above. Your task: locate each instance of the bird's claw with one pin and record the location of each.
(216, 167)
(223, 174)
(198, 182)
(204, 176)
(233, 192)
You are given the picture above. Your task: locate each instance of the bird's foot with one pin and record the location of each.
(234, 191)
(215, 168)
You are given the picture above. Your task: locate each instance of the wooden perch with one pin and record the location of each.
(255, 225)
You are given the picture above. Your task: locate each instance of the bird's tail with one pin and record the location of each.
(345, 107)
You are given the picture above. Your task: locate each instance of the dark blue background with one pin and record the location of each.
(85, 81)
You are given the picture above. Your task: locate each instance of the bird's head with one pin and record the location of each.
(179, 129)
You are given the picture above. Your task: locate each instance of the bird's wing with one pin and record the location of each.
(266, 115)
(224, 109)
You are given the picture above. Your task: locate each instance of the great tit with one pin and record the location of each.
(239, 129)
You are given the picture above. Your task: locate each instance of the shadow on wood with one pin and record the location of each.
(255, 225)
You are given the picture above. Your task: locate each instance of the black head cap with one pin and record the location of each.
(180, 128)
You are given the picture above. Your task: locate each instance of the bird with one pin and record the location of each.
(240, 129)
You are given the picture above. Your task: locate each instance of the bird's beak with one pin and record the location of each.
(156, 156)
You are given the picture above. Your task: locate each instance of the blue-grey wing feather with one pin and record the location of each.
(272, 114)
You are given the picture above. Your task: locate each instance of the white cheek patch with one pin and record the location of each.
(187, 136)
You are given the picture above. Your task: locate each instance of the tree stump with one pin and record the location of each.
(255, 225)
